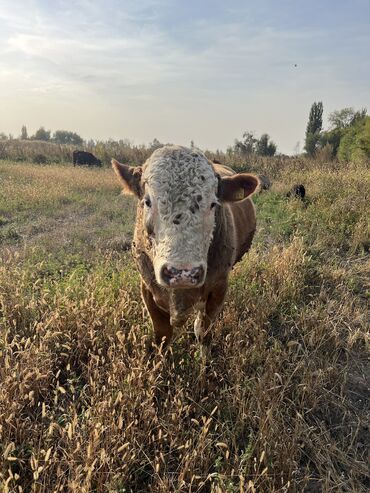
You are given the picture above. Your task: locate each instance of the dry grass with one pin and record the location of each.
(88, 405)
(31, 150)
(25, 185)
(60, 206)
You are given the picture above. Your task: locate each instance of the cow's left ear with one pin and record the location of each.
(237, 187)
(130, 177)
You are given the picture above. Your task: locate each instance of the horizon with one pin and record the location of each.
(181, 72)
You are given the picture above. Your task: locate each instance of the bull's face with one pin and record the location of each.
(179, 193)
(179, 200)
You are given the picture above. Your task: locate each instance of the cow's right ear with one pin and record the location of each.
(130, 177)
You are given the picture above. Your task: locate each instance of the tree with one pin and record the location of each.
(155, 144)
(3, 136)
(341, 118)
(41, 134)
(313, 129)
(24, 134)
(359, 115)
(247, 145)
(344, 127)
(66, 137)
(265, 146)
(346, 117)
(251, 145)
(355, 142)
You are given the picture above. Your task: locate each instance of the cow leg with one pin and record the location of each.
(208, 314)
(160, 319)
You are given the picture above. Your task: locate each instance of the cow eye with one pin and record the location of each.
(177, 219)
(213, 205)
(147, 202)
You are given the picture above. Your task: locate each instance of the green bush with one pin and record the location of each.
(355, 143)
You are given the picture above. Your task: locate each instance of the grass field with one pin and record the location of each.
(86, 405)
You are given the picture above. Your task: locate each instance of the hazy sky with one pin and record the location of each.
(179, 70)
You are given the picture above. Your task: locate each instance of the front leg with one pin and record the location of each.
(208, 313)
(160, 319)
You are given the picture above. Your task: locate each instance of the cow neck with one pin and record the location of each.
(220, 250)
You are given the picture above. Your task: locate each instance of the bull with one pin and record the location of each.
(195, 220)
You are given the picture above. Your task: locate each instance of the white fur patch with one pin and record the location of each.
(182, 187)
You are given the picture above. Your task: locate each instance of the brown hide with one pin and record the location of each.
(243, 227)
(233, 234)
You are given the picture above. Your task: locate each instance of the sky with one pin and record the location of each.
(181, 71)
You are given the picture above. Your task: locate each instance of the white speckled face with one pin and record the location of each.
(180, 188)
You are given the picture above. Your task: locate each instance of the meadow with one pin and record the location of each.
(88, 404)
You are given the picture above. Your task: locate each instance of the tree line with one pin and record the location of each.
(347, 139)
(250, 144)
(58, 137)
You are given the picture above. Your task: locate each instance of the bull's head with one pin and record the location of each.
(180, 194)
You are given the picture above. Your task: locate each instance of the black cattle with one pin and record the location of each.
(83, 157)
(265, 183)
(297, 191)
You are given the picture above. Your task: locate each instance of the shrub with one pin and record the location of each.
(325, 154)
(355, 143)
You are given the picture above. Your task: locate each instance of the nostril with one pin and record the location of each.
(168, 273)
(165, 274)
(197, 273)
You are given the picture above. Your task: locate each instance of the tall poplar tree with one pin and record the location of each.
(24, 134)
(313, 129)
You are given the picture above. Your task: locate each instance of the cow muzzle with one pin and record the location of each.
(182, 278)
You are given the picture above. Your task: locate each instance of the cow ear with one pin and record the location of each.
(237, 187)
(130, 177)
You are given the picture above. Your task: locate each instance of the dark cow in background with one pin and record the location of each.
(265, 183)
(298, 191)
(84, 157)
(195, 220)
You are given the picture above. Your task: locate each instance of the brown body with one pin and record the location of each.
(232, 238)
